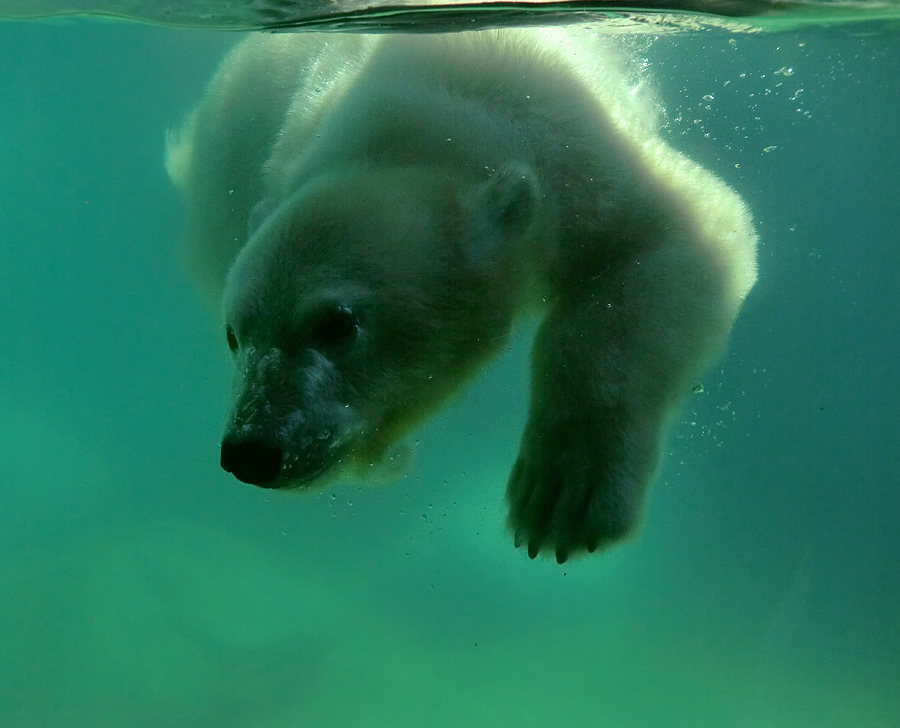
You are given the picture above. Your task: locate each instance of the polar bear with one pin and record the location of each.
(372, 214)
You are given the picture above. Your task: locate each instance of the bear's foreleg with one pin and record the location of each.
(611, 361)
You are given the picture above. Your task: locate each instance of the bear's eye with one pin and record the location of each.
(231, 338)
(335, 326)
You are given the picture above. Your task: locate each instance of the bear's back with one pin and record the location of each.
(283, 108)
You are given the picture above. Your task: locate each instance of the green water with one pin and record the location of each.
(141, 586)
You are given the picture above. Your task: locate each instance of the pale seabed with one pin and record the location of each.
(142, 586)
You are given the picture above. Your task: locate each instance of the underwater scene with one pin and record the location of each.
(732, 557)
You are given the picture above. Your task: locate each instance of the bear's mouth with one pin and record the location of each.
(266, 465)
(296, 474)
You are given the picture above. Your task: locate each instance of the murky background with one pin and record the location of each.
(142, 586)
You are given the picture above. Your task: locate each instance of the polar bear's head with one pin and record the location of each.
(358, 306)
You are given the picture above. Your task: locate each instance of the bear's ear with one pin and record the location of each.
(509, 200)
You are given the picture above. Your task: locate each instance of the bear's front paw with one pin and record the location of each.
(573, 490)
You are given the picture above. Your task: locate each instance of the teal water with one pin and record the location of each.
(141, 586)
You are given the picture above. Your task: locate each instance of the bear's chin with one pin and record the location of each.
(311, 477)
(392, 465)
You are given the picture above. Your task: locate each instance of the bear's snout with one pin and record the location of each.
(252, 461)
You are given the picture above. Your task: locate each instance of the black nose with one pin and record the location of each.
(251, 461)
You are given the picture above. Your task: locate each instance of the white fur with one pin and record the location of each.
(444, 184)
